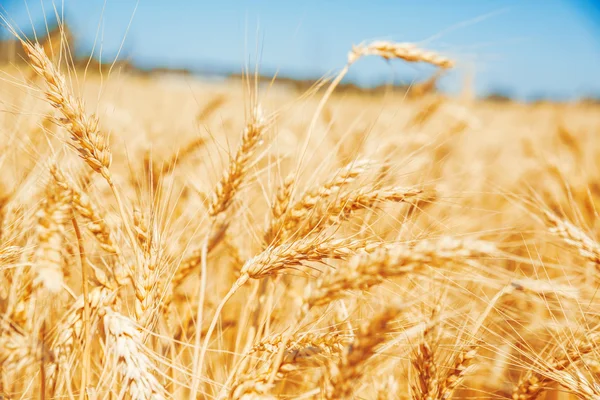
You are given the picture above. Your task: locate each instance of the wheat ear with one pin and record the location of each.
(370, 268)
(53, 216)
(135, 368)
(352, 365)
(89, 141)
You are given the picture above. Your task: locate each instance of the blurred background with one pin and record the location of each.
(526, 50)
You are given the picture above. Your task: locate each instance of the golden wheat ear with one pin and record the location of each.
(406, 51)
(91, 144)
(351, 367)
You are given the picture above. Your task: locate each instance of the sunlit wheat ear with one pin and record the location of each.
(70, 332)
(426, 376)
(147, 282)
(17, 353)
(372, 267)
(461, 366)
(287, 219)
(279, 208)
(350, 369)
(302, 351)
(96, 225)
(303, 347)
(282, 200)
(348, 204)
(91, 144)
(134, 368)
(405, 51)
(54, 214)
(574, 237)
(290, 255)
(236, 170)
(424, 362)
(253, 386)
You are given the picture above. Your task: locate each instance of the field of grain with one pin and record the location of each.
(169, 238)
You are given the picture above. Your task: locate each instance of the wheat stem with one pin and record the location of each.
(86, 311)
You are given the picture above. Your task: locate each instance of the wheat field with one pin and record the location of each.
(169, 238)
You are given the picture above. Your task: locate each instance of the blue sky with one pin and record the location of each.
(527, 47)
